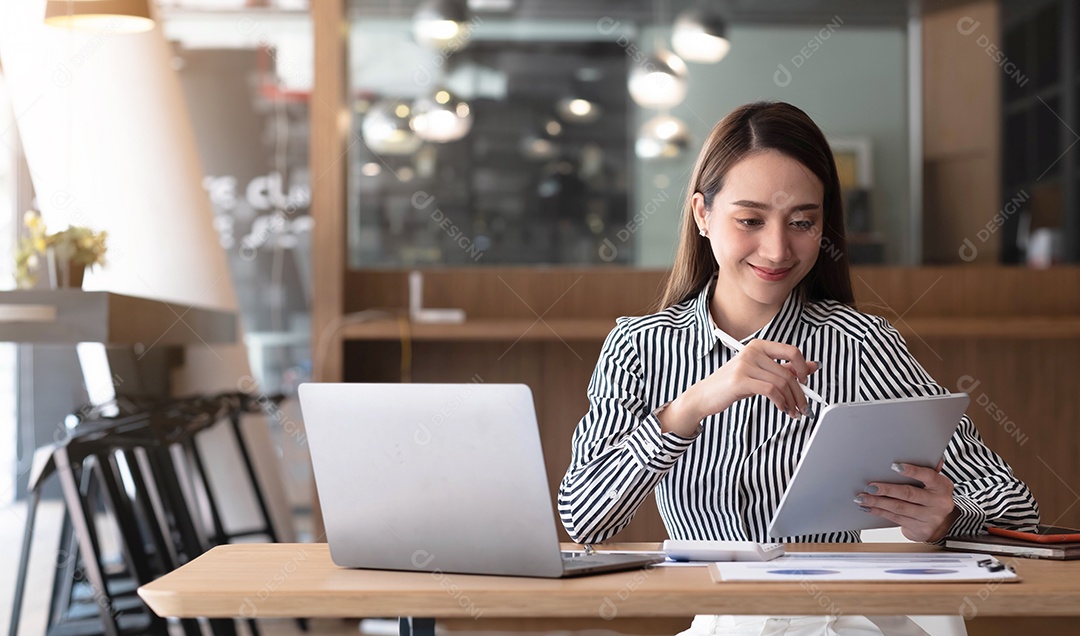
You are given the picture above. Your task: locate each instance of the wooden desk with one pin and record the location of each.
(291, 580)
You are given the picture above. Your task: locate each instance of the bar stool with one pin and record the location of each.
(126, 467)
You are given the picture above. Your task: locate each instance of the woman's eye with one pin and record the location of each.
(749, 222)
(802, 224)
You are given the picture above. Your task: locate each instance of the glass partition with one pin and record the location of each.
(547, 159)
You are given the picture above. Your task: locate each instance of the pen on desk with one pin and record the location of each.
(738, 346)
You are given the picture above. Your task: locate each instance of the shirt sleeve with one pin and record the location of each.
(986, 492)
(619, 453)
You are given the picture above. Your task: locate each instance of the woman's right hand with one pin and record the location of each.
(753, 371)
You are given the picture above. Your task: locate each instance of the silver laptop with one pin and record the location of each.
(438, 477)
(854, 444)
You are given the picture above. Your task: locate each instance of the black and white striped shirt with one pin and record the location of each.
(726, 483)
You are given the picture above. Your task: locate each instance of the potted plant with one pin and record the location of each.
(66, 253)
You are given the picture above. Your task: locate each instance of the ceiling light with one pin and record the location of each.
(441, 118)
(700, 35)
(576, 110)
(659, 81)
(662, 136)
(539, 146)
(112, 16)
(440, 23)
(387, 132)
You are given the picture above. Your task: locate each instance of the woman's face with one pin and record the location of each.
(764, 227)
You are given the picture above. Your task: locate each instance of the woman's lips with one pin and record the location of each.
(771, 275)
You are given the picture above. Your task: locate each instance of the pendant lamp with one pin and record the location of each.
(112, 16)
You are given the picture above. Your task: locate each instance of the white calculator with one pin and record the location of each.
(722, 550)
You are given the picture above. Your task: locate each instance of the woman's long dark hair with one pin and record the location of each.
(745, 131)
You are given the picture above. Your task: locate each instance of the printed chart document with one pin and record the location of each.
(884, 567)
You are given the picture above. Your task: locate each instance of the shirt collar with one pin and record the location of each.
(782, 328)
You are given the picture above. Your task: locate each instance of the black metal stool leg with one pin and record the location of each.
(82, 520)
(24, 561)
(256, 485)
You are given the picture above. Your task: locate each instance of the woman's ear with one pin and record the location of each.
(701, 213)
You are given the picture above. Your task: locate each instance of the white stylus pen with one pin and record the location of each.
(738, 346)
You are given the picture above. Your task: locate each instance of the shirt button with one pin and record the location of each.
(613, 494)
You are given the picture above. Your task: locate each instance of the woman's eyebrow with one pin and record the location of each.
(757, 205)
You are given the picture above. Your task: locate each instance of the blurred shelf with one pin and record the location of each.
(486, 330)
(1006, 327)
(1018, 328)
(69, 316)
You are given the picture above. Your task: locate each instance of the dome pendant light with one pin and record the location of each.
(111, 16)
(700, 35)
(659, 81)
(386, 129)
(663, 136)
(440, 24)
(441, 117)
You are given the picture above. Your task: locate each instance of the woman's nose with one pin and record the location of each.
(775, 244)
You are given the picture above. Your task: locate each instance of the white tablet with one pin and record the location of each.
(855, 444)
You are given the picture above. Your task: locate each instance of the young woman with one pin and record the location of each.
(717, 434)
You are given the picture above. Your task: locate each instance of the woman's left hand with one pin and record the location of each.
(924, 514)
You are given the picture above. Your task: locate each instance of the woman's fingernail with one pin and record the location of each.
(871, 489)
(864, 509)
(898, 468)
(859, 499)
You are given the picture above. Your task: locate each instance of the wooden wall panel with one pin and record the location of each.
(1030, 380)
(513, 292)
(958, 203)
(327, 106)
(961, 130)
(961, 83)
